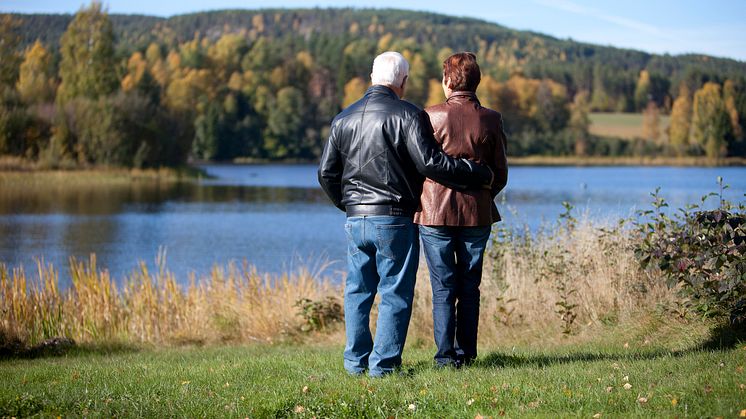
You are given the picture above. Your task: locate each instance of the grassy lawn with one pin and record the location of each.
(621, 125)
(639, 378)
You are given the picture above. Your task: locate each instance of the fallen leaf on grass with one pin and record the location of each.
(742, 386)
(412, 407)
(305, 389)
(642, 400)
(534, 404)
(596, 416)
(739, 369)
(470, 402)
(609, 388)
(183, 383)
(626, 345)
(625, 378)
(478, 416)
(627, 386)
(299, 409)
(743, 413)
(674, 402)
(708, 389)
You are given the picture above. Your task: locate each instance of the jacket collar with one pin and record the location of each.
(463, 96)
(381, 89)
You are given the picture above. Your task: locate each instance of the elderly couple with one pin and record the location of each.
(400, 173)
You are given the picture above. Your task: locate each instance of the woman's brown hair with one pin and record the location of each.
(463, 71)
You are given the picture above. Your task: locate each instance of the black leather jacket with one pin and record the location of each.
(380, 150)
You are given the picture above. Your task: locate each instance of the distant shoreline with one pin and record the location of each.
(27, 171)
(553, 161)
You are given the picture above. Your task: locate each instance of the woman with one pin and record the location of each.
(455, 226)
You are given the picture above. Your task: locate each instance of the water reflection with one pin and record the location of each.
(274, 215)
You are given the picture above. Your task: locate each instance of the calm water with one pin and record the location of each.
(276, 216)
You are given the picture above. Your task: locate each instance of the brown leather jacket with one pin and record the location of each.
(466, 130)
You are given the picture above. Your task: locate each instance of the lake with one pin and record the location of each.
(277, 218)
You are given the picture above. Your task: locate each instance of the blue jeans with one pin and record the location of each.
(454, 257)
(382, 257)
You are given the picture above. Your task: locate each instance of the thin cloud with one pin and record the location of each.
(572, 7)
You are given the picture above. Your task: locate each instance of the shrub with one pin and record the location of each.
(702, 251)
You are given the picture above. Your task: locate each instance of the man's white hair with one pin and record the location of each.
(389, 68)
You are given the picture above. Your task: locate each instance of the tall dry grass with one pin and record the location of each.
(560, 281)
(232, 304)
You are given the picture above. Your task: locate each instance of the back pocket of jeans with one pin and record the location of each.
(395, 241)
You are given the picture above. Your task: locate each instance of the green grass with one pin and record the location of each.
(672, 378)
(621, 125)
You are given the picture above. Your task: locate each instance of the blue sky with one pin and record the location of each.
(714, 27)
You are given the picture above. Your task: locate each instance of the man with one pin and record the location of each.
(373, 166)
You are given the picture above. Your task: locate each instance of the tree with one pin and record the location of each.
(13, 122)
(642, 91)
(354, 90)
(651, 122)
(88, 66)
(680, 123)
(580, 122)
(35, 81)
(286, 124)
(435, 93)
(9, 58)
(710, 122)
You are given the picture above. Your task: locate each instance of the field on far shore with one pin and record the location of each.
(621, 125)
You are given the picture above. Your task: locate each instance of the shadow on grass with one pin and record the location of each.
(67, 349)
(723, 337)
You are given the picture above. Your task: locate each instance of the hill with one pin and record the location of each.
(265, 83)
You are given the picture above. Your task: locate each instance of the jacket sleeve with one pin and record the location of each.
(330, 170)
(432, 162)
(500, 160)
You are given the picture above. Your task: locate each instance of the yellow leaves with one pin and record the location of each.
(642, 400)
(305, 390)
(435, 93)
(742, 414)
(470, 402)
(183, 383)
(299, 409)
(354, 90)
(674, 402)
(627, 386)
(597, 415)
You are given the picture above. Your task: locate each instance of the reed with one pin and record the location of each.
(563, 282)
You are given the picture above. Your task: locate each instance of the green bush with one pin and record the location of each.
(701, 251)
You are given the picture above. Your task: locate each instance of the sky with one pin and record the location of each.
(712, 27)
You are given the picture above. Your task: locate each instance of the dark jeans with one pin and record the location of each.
(454, 257)
(382, 257)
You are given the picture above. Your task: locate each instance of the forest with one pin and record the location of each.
(142, 91)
